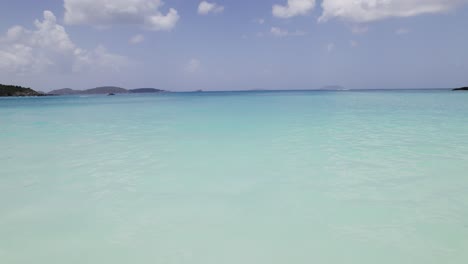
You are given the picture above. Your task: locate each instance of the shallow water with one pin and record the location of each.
(241, 177)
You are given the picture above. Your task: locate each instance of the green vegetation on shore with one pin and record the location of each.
(13, 90)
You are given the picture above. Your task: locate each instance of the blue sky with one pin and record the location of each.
(182, 45)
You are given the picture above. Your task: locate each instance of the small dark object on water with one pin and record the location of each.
(111, 94)
(461, 89)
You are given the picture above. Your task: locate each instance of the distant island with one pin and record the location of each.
(146, 90)
(65, 91)
(13, 90)
(461, 89)
(333, 88)
(104, 90)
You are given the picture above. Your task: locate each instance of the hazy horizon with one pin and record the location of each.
(265, 89)
(234, 45)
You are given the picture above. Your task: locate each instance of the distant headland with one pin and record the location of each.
(14, 90)
(461, 89)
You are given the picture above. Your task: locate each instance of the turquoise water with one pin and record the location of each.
(257, 177)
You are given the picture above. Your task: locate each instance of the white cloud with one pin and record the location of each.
(193, 66)
(330, 47)
(353, 43)
(204, 8)
(137, 39)
(370, 10)
(102, 13)
(49, 48)
(160, 22)
(279, 32)
(293, 8)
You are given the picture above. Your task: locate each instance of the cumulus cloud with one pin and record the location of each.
(279, 32)
(294, 8)
(205, 8)
(137, 39)
(48, 47)
(360, 11)
(160, 22)
(110, 12)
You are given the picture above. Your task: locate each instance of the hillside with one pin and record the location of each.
(97, 90)
(64, 91)
(105, 90)
(13, 90)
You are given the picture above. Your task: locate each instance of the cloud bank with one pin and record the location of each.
(372, 10)
(49, 48)
(102, 13)
(362, 11)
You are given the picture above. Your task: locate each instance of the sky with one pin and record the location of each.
(184, 45)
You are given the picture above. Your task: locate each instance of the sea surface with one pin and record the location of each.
(299, 177)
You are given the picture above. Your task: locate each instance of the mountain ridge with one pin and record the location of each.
(104, 90)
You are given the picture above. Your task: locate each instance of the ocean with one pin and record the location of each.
(297, 177)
